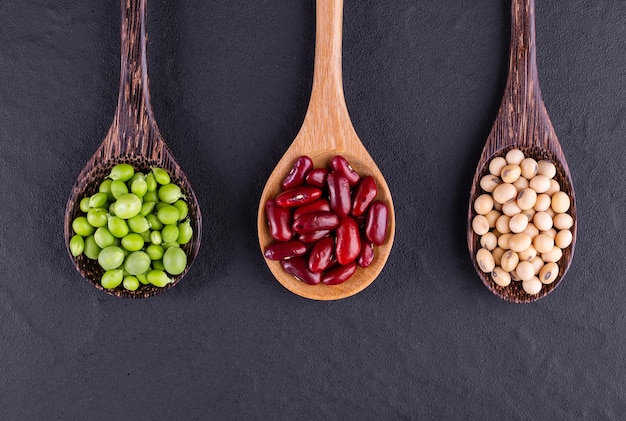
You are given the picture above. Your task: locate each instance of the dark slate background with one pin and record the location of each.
(230, 83)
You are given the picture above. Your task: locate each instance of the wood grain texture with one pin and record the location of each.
(134, 138)
(327, 131)
(522, 122)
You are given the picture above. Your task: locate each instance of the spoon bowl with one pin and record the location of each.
(522, 123)
(327, 131)
(133, 138)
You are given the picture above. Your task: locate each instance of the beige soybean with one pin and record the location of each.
(492, 217)
(518, 223)
(539, 183)
(480, 225)
(525, 271)
(554, 187)
(511, 209)
(530, 214)
(496, 165)
(529, 168)
(527, 255)
(504, 193)
(563, 239)
(509, 261)
(563, 221)
(485, 260)
(546, 168)
(549, 273)
(503, 241)
(532, 286)
(543, 203)
(502, 224)
(553, 255)
(497, 255)
(514, 156)
(510, 173)
(497, 206)
(543, 243)
(483, 204)
(489, 182)
(520, 242)
(526, 199)
(514, 276)
(521, 184)
(531, 230)
(501, 277)
(542, 221)
(489, 241)
(560, 202)
(537, 264)
(551, 232)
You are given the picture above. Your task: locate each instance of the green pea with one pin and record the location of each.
(111, 257)
(151, 182)
(158, 278)
(139, 187)
(82, 227)
(98, 200)
(138, 224)
(143, 278)
(132, 242)
(122, 172)
(185, 232)
(151, 196)
(103, 237)
(146, 208)
(155, 252)
(146, 236)
(155, 237)
(112, 209)
(161, 176)
(168, 245)
(112, 278)
(170, 193)
(169, 233)
(137, 262)
(92, 250)
(168, 215)
(77, 245)
(155, 224)
(183, 209)
(118, 226)
(84, 204)
(175, 260)
(158, 265)
(97, 217)
(118, 189)
(127, 206)
(131, 283)
(105, 187)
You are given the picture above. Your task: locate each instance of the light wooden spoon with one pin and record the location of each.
(523, 123)
(327, 131)
(133, 138)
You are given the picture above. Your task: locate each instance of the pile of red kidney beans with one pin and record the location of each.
(325, 222)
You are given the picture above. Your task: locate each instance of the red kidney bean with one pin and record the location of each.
(279, 220)
(298, 196)
(298, 267)
(297, 174)
(366, 256)
(339, 163)
(339, 274)
(339, 194)
(285, 250)
(348, 244)
(315, 221)
(317, 177)
(376, 226)
(321, 256)
(361, 220)
(311, 237)
(364, 195)
(318, 205)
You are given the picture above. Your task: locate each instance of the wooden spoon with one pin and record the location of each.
(327, 131)
(523, 123)
(133, 138)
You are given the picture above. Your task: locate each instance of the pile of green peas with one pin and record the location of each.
(134, 226)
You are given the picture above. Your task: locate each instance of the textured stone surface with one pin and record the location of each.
(230, 82)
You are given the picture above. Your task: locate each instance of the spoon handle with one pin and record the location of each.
(134, 120)
(327, 103)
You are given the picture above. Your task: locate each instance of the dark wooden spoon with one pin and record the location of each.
(133, 138)
(523, 123)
